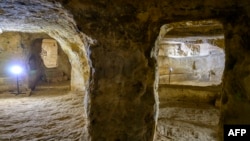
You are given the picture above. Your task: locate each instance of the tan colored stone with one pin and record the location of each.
(49, 53)
(122, 97)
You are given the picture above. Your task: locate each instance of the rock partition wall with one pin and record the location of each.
(236, 94)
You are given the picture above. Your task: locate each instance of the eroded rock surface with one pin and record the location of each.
(46, 115)
(188, 113)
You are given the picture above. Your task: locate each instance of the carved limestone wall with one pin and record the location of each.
(121, 100)
(125, 30)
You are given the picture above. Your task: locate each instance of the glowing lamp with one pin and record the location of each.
(170, 69)
(16, 70)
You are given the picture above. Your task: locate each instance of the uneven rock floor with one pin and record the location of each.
(182, 119)
(55, 113)
(46, 115)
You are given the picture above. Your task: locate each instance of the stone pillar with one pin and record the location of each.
(121, 94)
(236, 91)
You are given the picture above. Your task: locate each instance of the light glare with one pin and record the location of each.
(16, 69)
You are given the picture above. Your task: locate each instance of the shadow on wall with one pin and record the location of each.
(35, 65)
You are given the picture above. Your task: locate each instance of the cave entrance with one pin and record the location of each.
(191, 62)
(60, 113)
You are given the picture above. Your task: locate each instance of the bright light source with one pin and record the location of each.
(16, 69)
(171, 69)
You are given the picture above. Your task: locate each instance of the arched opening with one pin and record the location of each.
(191, 62)
(192, 54)
(41, 115)
(48, 65)
(25, 50)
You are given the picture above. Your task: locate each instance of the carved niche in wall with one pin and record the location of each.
(49, 53)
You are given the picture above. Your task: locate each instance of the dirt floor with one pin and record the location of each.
(188, 113)
(50, 113)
